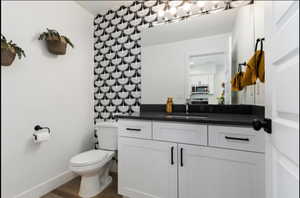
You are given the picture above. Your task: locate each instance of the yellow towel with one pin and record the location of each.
(255, 69)
(261, 66)
(236, 82)
(250, 76)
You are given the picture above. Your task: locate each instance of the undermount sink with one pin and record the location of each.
(186, 116)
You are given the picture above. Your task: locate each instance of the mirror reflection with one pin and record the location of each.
(194, 60)
(206, 79)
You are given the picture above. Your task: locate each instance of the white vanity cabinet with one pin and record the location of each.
(146, 168)
(187, 164)
(180, 132)
(220, 173)
(136, 129)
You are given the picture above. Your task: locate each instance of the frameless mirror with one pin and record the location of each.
(195, 59)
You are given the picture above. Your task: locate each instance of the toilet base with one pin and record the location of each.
(91, 186)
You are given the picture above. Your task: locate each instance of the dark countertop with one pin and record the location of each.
(230, 119)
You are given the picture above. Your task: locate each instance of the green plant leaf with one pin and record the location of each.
(69, 41)
(53, 34)
(8, 45)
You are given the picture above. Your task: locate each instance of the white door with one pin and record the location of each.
(282, 98)
(206, 172)
(146, 168)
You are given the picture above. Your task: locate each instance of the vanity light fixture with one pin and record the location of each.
(235, 4)
(171, 10)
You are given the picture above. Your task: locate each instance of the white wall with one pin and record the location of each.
(53, 91)
(243, 48)
(164, 68)
(259, 33)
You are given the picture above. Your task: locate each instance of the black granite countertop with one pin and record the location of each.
(208, 117)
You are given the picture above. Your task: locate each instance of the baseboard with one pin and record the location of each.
(47, 186)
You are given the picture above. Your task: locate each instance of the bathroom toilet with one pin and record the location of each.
(93, 166)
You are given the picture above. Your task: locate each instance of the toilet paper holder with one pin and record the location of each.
(37, 128)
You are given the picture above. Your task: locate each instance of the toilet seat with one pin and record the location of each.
(90, 157)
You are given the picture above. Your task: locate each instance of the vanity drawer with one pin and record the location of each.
(180, 132)
(238, 138)
(136, 129)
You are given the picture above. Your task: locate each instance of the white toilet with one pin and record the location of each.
(93, 166)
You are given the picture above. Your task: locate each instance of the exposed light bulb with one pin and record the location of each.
(201, 3)
(239, 3)
(186, 7)
(161, 13)
(174, 3)
(172, 10)
(215, 2)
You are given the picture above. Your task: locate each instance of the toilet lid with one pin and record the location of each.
(90, 157)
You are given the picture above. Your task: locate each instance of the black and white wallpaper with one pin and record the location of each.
(118, 57)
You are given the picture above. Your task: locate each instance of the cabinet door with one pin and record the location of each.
(219, 173)
(146, 168)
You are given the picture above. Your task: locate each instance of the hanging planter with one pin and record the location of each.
(56, 43)
(9, 50)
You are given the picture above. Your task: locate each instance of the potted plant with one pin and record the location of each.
(9, 50)
(56, 43)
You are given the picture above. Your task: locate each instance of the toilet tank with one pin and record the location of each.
(107, 134)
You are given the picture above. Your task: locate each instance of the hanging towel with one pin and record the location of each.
(257, 63)
(236, 81)
(255, 66)
(250, 76)
(261, 63)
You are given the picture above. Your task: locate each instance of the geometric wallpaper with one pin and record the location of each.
(117, 58)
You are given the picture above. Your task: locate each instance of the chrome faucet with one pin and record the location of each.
(187, 103)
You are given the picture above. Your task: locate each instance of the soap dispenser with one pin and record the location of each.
(169, 105)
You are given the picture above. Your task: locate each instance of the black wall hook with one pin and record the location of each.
(243, 64)
(261, 41)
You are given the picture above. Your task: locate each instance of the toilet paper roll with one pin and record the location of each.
(41, 137)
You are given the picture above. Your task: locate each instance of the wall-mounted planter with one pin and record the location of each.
(56, 43)
(57, 47)
(9, 50)
(7, 56)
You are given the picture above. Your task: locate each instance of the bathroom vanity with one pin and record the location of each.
(203, 151)
(190, 156)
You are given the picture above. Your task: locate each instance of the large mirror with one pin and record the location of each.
(194, 60)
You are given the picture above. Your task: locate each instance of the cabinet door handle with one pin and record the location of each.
(181, 157)
(133, 129)
(172, 155)
(239, 139)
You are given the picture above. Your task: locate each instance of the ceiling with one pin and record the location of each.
(192, 28)
(214, 59)
(99, 6)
